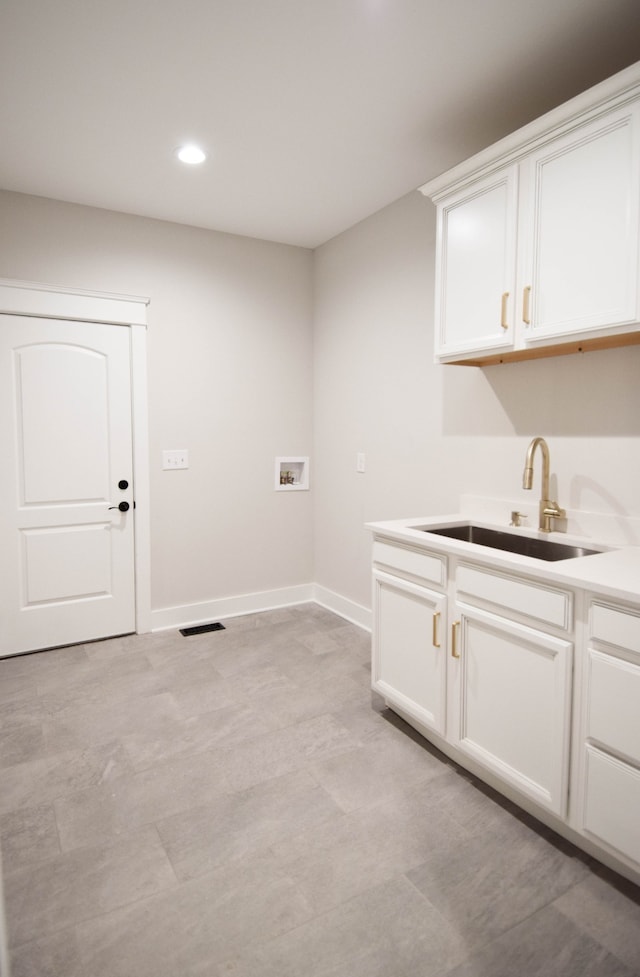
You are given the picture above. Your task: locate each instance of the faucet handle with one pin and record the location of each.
(550, 510)
(553, 509)
(516, 518)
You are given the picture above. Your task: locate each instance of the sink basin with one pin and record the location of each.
(541, 549)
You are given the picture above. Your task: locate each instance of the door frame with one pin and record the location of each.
(56, 302)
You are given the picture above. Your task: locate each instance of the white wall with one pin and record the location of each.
(232, 365)
(230, 370)
(432, 432)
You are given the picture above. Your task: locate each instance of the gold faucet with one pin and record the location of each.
(548, 509)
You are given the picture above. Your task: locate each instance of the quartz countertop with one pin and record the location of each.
(615, 572)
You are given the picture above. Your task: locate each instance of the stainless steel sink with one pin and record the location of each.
(541, 549)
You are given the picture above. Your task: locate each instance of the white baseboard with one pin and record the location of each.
(189, 615)
(355, 613)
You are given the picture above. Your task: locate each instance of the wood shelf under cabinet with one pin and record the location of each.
(560, 349)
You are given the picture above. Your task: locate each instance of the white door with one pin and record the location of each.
(66, 556)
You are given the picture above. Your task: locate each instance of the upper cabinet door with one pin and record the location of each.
(581, 268)
(476, 266)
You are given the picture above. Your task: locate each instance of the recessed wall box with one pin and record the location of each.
(292, 474)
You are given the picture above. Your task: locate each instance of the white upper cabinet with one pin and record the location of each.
(537, 237)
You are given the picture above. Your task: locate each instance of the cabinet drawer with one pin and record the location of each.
(514, 594)
(412, 562)
(612, 802)
(615, 626)
(614, 695)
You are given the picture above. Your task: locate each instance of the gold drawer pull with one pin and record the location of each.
(526, 305)
(503, 313)
(454, 640)
(434, 635)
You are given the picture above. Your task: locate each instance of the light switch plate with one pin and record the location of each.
(360, 461)
(178, 458)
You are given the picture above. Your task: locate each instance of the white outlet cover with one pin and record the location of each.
(175, 458)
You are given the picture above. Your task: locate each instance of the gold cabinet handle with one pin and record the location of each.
(454, 640)
(503, 311)
(526, 305)
(434, 634)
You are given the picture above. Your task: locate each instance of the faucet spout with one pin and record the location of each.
(548, 508)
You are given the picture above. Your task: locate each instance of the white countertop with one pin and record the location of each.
(614, 573)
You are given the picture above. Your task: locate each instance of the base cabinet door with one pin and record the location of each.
(409, 648)
(512, 694)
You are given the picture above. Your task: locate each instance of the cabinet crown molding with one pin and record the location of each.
(621, 88)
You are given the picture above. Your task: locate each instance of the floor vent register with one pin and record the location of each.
(202, 629)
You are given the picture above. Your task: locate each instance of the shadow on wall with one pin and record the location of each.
(594, 394)
(582, 492)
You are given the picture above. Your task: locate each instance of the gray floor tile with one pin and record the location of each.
(20, 744)
(16, 688)
(232, 656)
(17, 713)
(261, 680)
(221, 729)
(54, 776)
(98, 813)
(128, 644)
(188, 930)
(92, 725)
(239, 804)
(389, 923)
(56, 955)
(73, 886)
(491, 882)
(203, 697)
(376, 770)
(284, 750)
(545, 944)
(608, 910)
(239, 825)
(290, 706)
(344, 857)
(87, 695)
(28, 835)
(167, 647)
(79, 669)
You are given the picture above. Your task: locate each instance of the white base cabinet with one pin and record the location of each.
(493, 667)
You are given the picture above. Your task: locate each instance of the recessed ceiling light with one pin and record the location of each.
(191, 154)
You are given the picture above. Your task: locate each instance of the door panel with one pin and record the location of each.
(67, 572)
(65, 562)
(52, 380)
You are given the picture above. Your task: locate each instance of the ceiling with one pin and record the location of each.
(314, 113)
